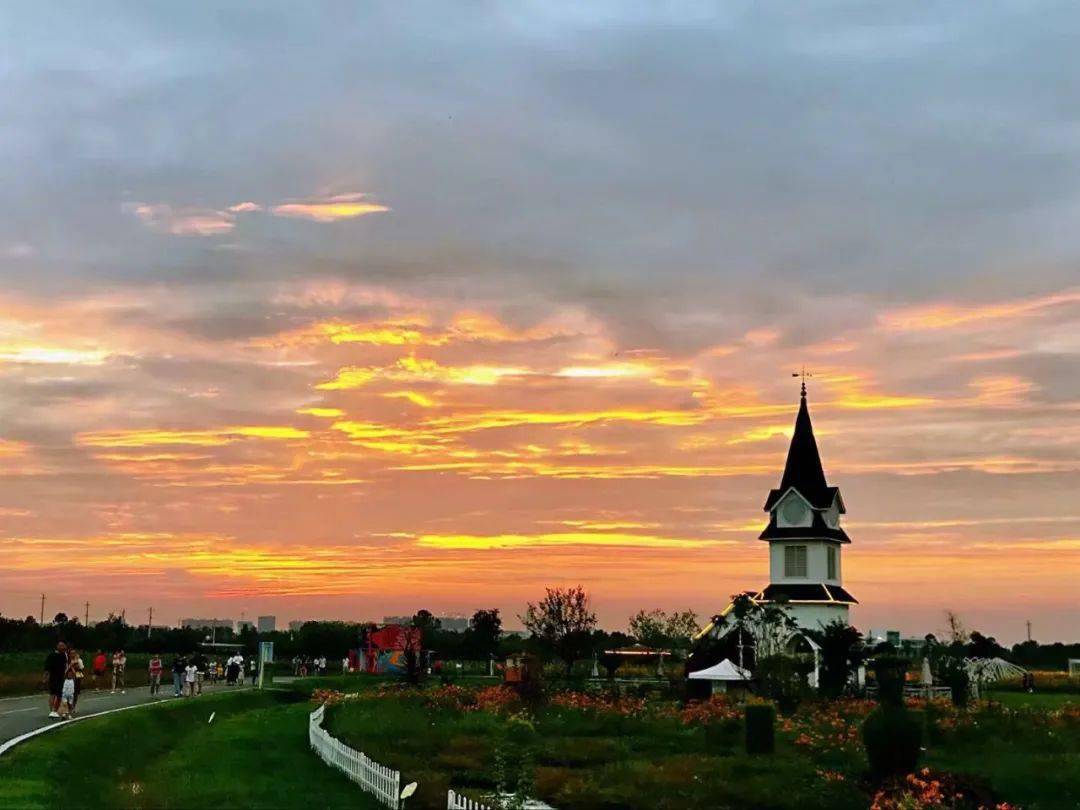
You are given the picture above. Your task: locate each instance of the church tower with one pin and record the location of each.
(804, 535)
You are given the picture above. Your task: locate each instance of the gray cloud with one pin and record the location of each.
(897, 152)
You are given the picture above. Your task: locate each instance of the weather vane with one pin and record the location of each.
(804, 374)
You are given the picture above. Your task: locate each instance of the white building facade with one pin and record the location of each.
(806, 540)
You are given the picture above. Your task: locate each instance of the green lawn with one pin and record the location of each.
(254, 754)
(1036, 700)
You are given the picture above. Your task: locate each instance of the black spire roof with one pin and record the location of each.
(803, 470)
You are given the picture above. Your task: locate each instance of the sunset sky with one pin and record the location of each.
(340, 314)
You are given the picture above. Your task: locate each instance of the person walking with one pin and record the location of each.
(75, 664)
(191, 673)
(98, 664)
(200, 671)
(119, 671)
(178, 667)
(67, 690)
(55, 668)
(155, 674)
(232, 672)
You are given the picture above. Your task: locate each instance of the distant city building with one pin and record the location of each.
(455, 624)
(267, 624)
(244, 623)
(206, 624)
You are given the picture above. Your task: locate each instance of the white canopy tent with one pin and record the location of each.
(721, 675)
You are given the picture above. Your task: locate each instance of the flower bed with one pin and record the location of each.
(603, 749)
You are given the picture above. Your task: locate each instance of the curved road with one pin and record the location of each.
(18, 715)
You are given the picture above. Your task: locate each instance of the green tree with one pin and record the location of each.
(563, 623)
(841, 653)
(650, 628)
(680, 628)
(485, 630)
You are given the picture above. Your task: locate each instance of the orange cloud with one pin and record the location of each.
(330, 209)
(934, 317)
(597, 538)
(413, 369)
(208, 437)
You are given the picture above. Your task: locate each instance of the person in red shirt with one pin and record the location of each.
(98, 668)
(155, 674)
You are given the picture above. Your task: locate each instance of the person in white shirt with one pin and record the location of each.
(191, 673)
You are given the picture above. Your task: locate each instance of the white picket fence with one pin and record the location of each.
(378, 780)
(455, 801)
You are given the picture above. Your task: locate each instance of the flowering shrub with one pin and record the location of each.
(716, 709)
(832, 726)
(927, 790)
(453, 697)
(600, 704)
(330, 697)
(495, 699)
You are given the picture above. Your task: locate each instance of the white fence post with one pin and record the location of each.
(382, 782)
(455, 801)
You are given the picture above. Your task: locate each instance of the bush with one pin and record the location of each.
(953, 674)
(892, 737)
(760, 732)
(890, 672)
(783, 679)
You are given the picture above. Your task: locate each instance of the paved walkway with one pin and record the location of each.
(19, 715)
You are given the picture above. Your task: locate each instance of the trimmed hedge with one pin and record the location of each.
(760, 728)
(893, 738)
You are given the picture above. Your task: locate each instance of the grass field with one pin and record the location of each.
(254, 754)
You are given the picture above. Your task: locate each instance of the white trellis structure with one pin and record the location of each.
(381, 782)
(983, 671)
(989, 670)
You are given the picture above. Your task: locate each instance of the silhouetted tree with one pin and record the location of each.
(485, 630)
(563, 623)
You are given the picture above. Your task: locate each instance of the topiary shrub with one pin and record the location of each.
(760, 728)
(892, 737)
(890, 672)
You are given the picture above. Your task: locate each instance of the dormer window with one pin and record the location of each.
(794, 511)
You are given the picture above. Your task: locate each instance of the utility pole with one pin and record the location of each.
(86, 619)
(150, 623)
(41, 620)
(1028, 623)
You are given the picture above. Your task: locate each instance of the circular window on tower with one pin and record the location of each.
(794, 512)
